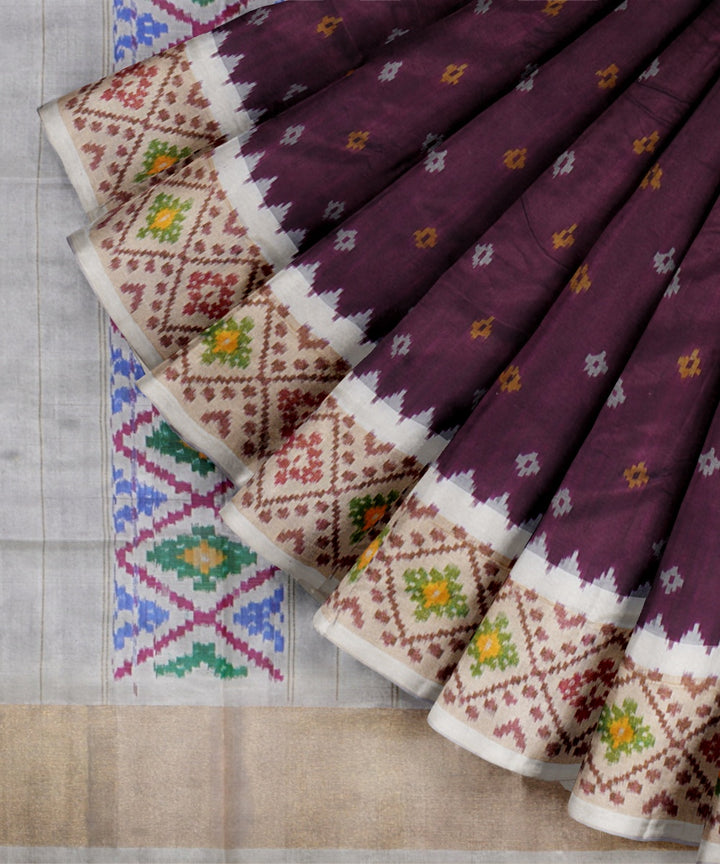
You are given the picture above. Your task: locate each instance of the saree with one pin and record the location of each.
(450, 329)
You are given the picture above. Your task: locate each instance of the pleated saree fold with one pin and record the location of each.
(438, 291)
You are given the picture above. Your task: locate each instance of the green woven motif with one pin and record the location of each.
(363, 562)
(165, 218)
(202, 557)
(492, 646)
(436, 593)
(367, 511)
(167, 441)
(623, 730)
(202, 654)
(228, 342)
(160, 156)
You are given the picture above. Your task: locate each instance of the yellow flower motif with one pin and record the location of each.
(226, 341)
(646, 144)
(580, 280)
(621, 732)
(328, 25)
(510, 379)
(160, 163)
(553, 7)
(483, 328)
(436, 594)
(608, 77)
(636, 475)
(164, 218)
(425, 238)
(515, 159)
(453, 73)
(357, 140)
(202, 557)
(564, 238)
(652, 178)
(488, 645)
(370, 552)
(689, 364)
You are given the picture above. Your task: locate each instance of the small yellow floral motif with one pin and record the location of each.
(453, 73)
(580, 280)
(564, 238)
(328, 25)
(357, 140)
(608, 77)
(483, 328)
(515, 159)
(164, 218)
(368, 555)
(652, 178)
(492, 646)
(510, 379)
(160, 163)
(425, 238)
(689, 364)
(621, 732)
(646, 144)
(228, 342)
(488, 646)
(553, 7)
(636, 475)
(436, 594)
(202, 557)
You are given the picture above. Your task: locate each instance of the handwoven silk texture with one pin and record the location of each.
(351, 287)
(568, 208)
(451, 325)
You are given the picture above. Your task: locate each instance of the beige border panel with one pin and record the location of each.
(251, 779)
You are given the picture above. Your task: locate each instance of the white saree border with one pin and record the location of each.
(59, 137)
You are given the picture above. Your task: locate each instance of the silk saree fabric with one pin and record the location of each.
(450, 328)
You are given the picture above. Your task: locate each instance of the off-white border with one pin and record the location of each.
(107, 294)
(414, 439)
(709, 853)
(212, 74)
(294, 290)
(652, 651)
(491, 751)
(192, 432)
(319, 586)
(246, 197)
(479, 519)
(375, 659)
(58, 135)
(633, 827)
(557, 585)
